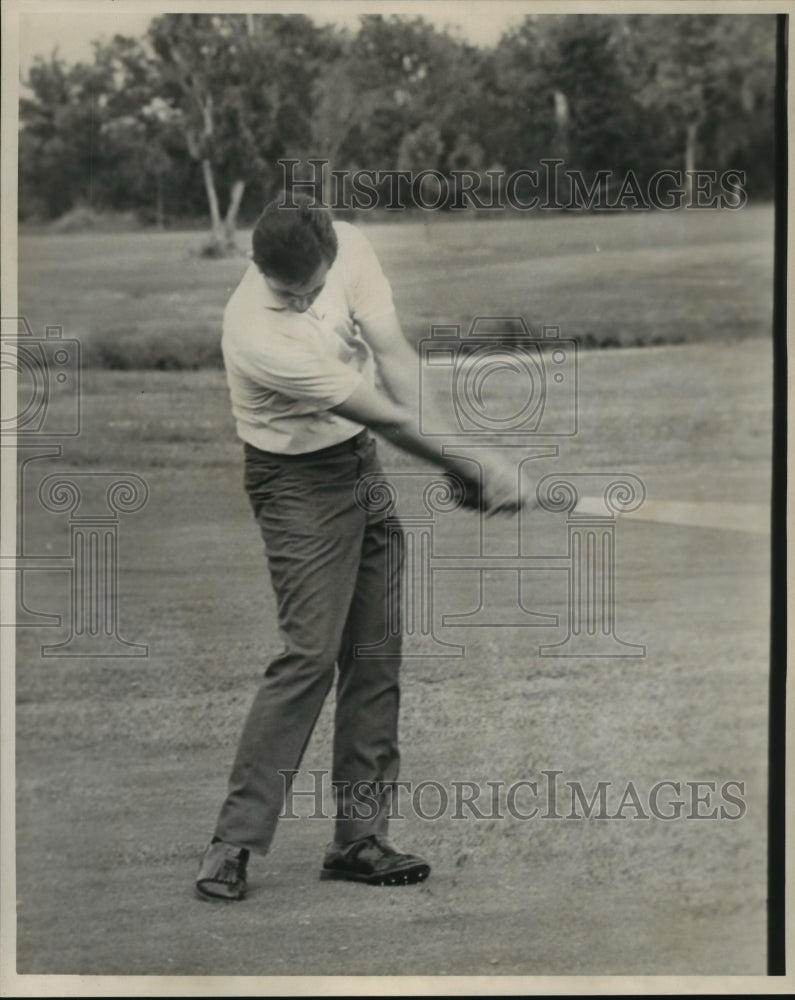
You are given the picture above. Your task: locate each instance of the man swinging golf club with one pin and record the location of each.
(304, 333)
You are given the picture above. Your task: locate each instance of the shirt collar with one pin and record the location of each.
(264, 295)
(269, 301)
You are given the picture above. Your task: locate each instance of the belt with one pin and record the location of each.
(343, 448)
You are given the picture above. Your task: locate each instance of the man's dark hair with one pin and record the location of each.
(290, 242)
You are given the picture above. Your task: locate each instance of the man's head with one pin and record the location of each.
(294, 247)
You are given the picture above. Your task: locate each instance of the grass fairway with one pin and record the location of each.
(147, 300)
(122, 763)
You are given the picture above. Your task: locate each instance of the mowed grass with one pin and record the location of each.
(121, 764)
(149, 300)
(140, 301)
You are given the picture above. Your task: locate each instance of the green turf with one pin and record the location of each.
(122, 763)
(148, 300)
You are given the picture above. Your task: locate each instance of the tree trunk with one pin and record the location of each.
(230, 222)
(216, 226)
(690, 160)
(159, 216)
(561, 106)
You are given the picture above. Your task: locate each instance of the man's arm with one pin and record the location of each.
(397, 423)
(398, 366)
(398, 363)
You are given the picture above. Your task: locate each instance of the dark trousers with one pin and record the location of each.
(335, 583)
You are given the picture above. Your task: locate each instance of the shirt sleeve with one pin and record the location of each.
(301, 374)
(368, 290)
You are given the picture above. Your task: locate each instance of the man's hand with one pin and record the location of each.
(501, 491)
(496, 491)
(484, 499)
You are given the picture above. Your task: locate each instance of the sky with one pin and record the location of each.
(72, 30)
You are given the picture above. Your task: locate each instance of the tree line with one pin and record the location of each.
(192, 120)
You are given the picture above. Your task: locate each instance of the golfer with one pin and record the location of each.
(305, 333)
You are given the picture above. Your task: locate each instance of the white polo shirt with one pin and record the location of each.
(286, 370)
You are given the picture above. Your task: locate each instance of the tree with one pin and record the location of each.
(200, 112)
(141, 126)
(194, 52)
(524, 115)
(742, 135)
(242, 85)
(598, 125)
(420, 149)
(692, 72)
(62, 155)
(402, 70)
(340, 108)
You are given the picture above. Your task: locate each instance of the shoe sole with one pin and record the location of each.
(211, 897)
(408, 876)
